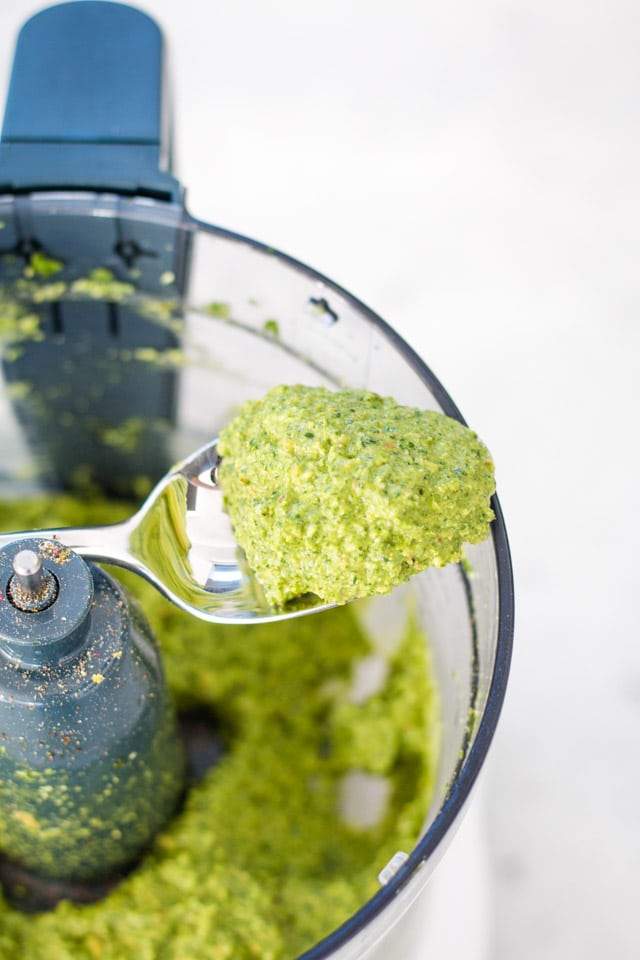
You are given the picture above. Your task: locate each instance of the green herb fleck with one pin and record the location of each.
(272, 328)
(42, 266)
(218, 309)
(101, 284)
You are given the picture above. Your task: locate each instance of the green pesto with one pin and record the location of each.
(39, 283)
(347, 494)
(102, 284)
(272, 327)
(18, 324)
(42, 266)
(172, 357)
(259, 864)
(218, 309)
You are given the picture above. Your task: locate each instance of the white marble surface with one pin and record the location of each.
(470, 170)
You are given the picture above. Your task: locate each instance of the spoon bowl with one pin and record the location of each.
(181, 541)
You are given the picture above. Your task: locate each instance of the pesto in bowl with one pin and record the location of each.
(264, 858)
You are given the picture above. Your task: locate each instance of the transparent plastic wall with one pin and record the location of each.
(131, 333)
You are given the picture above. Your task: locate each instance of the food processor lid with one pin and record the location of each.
(86, 108)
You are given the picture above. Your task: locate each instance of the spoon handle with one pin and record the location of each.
(109, 543)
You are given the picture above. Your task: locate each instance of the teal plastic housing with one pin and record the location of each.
(86, 108)
(87, 116)
(91, 764)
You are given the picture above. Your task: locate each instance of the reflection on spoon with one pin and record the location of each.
(181, 541)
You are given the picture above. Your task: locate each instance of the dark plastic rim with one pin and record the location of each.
(463, 784)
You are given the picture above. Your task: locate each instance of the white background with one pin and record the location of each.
(471, 170)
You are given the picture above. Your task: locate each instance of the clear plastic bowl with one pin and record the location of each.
(181, 323)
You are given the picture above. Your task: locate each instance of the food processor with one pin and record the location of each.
(130, 333)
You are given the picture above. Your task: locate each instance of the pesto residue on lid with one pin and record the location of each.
(347, 494)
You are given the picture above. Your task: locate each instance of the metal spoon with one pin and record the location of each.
(181, 541)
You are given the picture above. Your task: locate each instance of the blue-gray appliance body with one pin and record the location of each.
(90, 760)
(86, 112)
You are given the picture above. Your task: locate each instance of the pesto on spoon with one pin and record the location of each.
(347, 494)
(333, 496)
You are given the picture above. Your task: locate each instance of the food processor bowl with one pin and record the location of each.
(108, 377)
(130, 333)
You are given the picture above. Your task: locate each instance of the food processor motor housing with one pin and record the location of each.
(86, 118)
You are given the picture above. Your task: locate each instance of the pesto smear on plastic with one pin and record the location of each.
(347, 494)
(263, 860)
